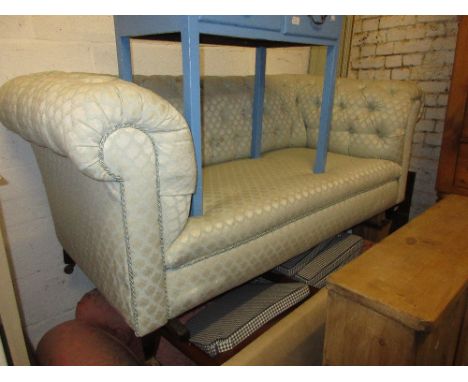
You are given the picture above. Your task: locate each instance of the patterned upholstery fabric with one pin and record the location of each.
(227, 114)
(87, 219)
(370, 118)
(248, 198)
(118, 166)
(190, 285)
(140, 146)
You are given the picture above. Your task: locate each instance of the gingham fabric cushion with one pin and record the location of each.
(294, 265)
(343, 250)
(233, 317)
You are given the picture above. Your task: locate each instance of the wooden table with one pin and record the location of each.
(404, 302)
(256, 31)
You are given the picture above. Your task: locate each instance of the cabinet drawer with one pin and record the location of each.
(305, 26)
(273, 23)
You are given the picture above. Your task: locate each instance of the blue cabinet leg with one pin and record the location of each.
(327, 107)
(259, 91)
(191, 67)
(124, 57)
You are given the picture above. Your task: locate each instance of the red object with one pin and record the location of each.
(76, 343)
(98, 336)
(94, 309)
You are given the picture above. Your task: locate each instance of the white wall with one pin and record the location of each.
(77, 43)
(419, 49)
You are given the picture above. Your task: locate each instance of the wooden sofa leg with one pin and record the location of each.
(178, 329)
(150, 344)
(69, 263)
(374, 229)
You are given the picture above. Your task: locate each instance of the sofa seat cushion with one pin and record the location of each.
(248, 198)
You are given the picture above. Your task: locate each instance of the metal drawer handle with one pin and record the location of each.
(319, 21)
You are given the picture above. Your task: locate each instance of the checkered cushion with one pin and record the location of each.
(294, 265)
(231, 318)
(333, 254)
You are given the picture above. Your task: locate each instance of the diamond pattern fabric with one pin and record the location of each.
(246, 198)
(227, 114)
(191, 285)
(139, 149)
(370, 118)
(118, 165)
(88, 222)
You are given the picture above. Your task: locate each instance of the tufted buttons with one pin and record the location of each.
(379, 132)
(371, 106)
(366, 105)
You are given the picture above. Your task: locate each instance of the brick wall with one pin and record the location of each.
(77, 43)
(416, 48)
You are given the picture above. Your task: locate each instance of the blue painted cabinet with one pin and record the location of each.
(273, 23)
(257, 31)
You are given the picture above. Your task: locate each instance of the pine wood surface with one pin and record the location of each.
(414, 274)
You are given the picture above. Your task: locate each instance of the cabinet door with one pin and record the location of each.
(452, 175)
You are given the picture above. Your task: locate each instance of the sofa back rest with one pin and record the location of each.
(227, 114)
(372, 119)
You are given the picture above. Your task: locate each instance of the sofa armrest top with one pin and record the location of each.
(73, 114)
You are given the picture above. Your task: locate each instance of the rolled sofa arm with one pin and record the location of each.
(72, 113)
(129, 140)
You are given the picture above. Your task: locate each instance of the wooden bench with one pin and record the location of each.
(404, 302)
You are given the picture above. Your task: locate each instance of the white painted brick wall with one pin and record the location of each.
(393, 61)
(77, 43)
(416, 48)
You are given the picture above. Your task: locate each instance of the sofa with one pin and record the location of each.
(118, 165)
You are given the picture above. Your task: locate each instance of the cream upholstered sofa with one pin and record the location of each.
(118, 165)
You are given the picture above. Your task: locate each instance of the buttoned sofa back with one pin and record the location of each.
(370, 118)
